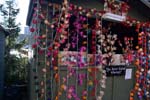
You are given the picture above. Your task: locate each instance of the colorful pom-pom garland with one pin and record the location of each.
(61, 36)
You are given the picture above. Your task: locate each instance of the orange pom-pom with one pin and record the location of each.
(137, 47)
(56, 98)
(131, 94)
(84, 98)
(131, 98)
(55, 68)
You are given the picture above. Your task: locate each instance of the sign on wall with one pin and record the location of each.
(115, 70)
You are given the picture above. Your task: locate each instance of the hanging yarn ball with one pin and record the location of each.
(48, 63)
(40, 52)
(69, 96)
(63, 87)
(42, 83)
(56, 98)
(84, 97)
(55, 68)
(131, 98)
(44, 70)
(59, 93)
(34, 45)
(99, 97)
(34, 21)
(44, 36)
(32, 29)
(131, 94)
(42, 90)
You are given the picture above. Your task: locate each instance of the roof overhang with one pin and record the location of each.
(146, 2)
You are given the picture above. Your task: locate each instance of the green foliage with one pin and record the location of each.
(16, 69)
(9, 13)
(15, 66)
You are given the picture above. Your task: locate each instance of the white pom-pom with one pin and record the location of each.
(98, 32)
(101, 93)
(99, 98)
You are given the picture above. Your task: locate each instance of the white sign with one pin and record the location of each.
(128, 74)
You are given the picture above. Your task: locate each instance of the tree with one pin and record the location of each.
(13, 63)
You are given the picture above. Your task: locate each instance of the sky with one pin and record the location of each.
(21, 17)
